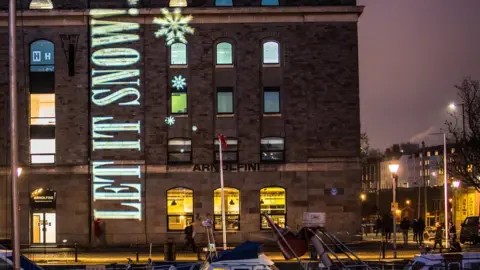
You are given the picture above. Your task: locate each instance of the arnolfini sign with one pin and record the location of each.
(115, 94)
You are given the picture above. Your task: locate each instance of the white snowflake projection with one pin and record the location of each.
(170, 120)
(179, 82)
(173, 26)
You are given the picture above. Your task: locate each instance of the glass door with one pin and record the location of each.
(44, 228)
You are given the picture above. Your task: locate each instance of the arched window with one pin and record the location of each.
(273, 203)
(271, 52)
(224, 53)
(272, 149)
(179, 150)
(42, 102)
(223, 3)
(177, 3)
(179, 208)
(232, 208)
(178, 54)
(270, 3)
(41, 4)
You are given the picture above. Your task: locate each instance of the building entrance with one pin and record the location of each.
(44, 228)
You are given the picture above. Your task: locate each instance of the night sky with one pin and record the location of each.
(411, 53)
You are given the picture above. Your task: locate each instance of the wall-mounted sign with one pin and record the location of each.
(249, 167)
(43, 198)
(334, 191)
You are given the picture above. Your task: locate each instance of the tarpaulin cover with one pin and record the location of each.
(245, 251)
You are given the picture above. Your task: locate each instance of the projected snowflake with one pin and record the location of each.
(170, 120)
(174, 26)
(179, 82)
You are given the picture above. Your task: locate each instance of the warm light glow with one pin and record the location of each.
(408, 202)
(179, 208)
(363, 197)
(393, 167)
(456, 184)
(434, 174)
(274, 205)
(450, 200)
(452, 106)
(19, 171)
(398, 212)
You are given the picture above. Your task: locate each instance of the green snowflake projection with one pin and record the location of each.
(179, 82)
(170, 120)
(173, 26)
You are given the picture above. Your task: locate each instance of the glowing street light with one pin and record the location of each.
(453, 107)
(456, 184)
(393, 167)
(363, 197)
(408, 202)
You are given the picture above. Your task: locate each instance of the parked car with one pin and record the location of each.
(460, 260)
(470, 231)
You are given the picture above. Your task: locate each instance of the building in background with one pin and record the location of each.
(120, 115)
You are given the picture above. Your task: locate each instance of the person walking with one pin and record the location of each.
(421, 230)
(438, 236)
(387, 226)
(378, 226)
(405, 226)
(98, 229)
(190, 237)
(452, 232)
(415, 230)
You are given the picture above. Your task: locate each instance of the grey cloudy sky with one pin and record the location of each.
(411, 53)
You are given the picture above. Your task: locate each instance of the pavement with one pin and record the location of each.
(368, 250)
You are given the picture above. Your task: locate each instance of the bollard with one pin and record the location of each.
(76, 252)
(384, 247)
(136, 253)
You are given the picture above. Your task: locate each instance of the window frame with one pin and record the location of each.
(40, 8)
(272, 161)
(273, 90)
(260, 206)
(215, 151)
(232, 49)
(43, 154)
(186, 55)
(184, 91)
(166, 204)
(216, 5)
(177, 6)
(225, 90)
(279, 52)
(42, 118)
(170, 152)
(227, 215)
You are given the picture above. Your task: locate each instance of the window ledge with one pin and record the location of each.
(271, 65)
(178, 66)
(272, 115)
(224, 66)
(225, 115)
(179, 115)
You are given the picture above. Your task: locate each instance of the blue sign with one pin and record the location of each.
(333, 191)
(42, 53)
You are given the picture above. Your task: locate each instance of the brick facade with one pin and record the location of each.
(319, 120)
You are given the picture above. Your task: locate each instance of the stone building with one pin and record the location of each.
(119, 121)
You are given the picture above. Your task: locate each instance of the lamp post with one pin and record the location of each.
(452, 106)
(393, 167)
(456, 185)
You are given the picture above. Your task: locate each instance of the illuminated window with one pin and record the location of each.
(269, 2)
(224, 53)
(224, 100)
(179, 101)
(436, 153)
(42, 109)
(228, 155)
(232, 208)
(271, 52)
(223, 3)
(178, 3)
(178, 54)
(273, 203)
(179, 150)
(272, 149)
(42, 102)
(179, 208)
(41, 4)
(42, 151)
(428, 153)
(271, 100)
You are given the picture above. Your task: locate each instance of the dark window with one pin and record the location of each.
(223, 3)
(228, 155)
(271, 100)
(269, 2)
(225, 100)
(471, 221)
(272, 149)
(179, 150)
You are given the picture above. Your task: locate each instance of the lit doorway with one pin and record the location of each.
(44, 228)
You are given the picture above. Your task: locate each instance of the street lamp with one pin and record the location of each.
(393, 167)
(456, 185)
(453, 107)
(408, 202)
(363, 197)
